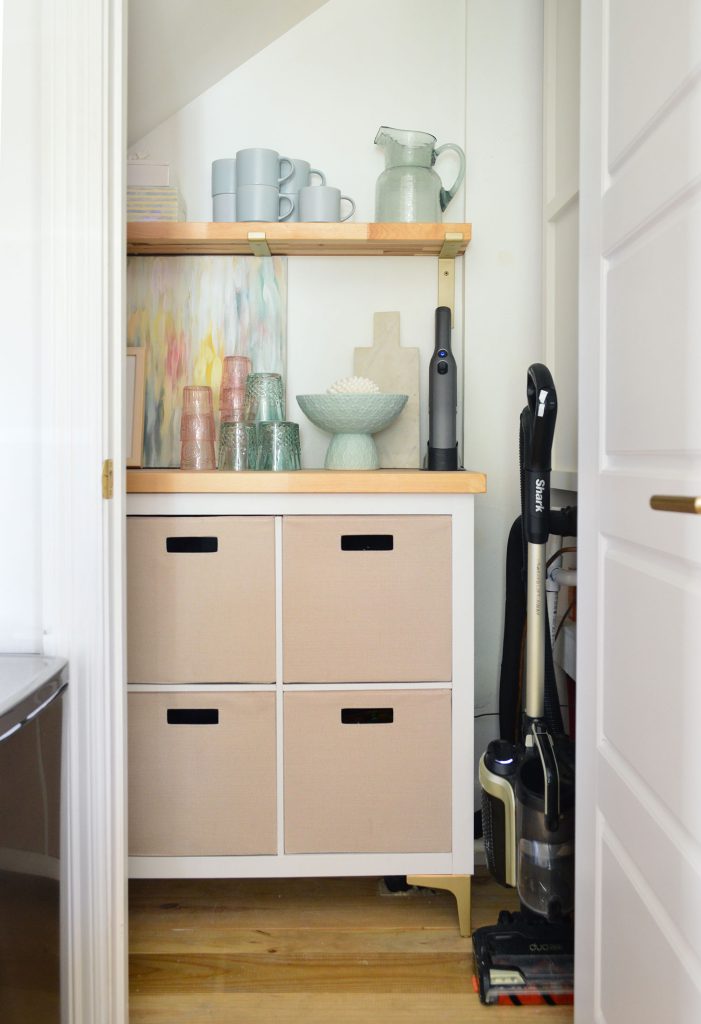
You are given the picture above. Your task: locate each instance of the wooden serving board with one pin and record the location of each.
(396, 371)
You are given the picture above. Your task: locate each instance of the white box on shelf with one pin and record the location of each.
(143, 172)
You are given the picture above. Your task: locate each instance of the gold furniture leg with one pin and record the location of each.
(459, 885)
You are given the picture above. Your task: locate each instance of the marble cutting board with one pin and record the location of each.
(396, 371)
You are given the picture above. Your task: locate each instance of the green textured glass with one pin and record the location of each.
(238, 446)
(278, 446)
(265, 390)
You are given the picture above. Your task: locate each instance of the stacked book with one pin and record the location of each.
(151, 195)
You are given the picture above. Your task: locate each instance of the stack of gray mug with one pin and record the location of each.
(260, 185)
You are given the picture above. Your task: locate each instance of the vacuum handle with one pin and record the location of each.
(539, 417)
(542, 405)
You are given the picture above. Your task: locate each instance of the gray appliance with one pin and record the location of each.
(31, 725)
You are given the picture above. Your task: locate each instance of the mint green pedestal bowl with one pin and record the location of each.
(352, 419)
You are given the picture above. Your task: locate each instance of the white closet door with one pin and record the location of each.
(561, 43)
(639, 606)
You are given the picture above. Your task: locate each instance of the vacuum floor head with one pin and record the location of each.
(524, 960)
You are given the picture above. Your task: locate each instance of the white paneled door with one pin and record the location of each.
(639, 608)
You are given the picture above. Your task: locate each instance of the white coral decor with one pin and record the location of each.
(353, 386)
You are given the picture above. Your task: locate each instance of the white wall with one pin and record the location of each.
(321, 92)
(503, 292)
(20, 405)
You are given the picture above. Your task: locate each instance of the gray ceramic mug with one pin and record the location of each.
(301, 178)
(322, 203)
(223, 176)
(224, 207)
(262, 202)
(262, 167)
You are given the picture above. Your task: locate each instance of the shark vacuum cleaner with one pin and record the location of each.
(527, 779)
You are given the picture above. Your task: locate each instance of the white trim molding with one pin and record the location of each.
(81, 296)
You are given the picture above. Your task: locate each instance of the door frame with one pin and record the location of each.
(81, 296)
(589, 624)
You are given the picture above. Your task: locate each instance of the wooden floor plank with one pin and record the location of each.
(424, 973)
(308, 950)
(287, 942)
(306, 1008)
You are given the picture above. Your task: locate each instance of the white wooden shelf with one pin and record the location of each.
(305, 481)
(160, 238)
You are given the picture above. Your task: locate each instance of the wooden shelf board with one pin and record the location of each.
(305, 481)
(158, 238)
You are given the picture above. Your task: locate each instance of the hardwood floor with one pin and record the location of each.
(308, 951)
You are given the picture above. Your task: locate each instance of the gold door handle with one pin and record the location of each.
(676, 503)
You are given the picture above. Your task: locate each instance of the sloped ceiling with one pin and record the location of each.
(179, 48)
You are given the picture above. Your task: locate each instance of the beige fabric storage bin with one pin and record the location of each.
(200, 787)
(367, 599)
(366, 784)
(203, 611)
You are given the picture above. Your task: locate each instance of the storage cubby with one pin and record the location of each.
(366, 599)
(201, 599)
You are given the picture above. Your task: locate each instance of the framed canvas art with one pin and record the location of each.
(135, 390)
(187, 313)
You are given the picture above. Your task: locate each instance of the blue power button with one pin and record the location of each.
(442, 354)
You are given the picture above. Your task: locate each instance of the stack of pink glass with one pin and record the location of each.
(197, 430)
(232, 397)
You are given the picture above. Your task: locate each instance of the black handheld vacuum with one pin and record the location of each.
(442, 398)
(528, 785)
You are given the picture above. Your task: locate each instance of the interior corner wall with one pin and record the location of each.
(503, 293)
(20, 410)
(320, 92)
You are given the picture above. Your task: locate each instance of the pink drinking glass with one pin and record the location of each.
(235, 407)
(196, 427)
(235, 369)
(197, 399)
(197, 454)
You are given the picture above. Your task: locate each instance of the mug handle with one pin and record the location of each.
(313, 170)
(286, 177)
(288, 213)
(447, 193)
(352, 209)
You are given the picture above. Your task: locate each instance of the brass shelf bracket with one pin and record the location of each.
(258, 243)
(446, 270)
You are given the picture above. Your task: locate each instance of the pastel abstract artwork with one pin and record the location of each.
(189, 313)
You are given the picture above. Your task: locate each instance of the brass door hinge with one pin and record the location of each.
(107, 479)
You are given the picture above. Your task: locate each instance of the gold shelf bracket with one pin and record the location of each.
(452, 243)
(258, 243)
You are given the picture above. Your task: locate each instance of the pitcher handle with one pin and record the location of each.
(448, 193)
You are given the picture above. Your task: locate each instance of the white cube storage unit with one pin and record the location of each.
(300, 673)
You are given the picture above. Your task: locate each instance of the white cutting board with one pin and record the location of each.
(395, 370)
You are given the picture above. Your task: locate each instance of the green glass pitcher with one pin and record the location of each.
(409, 190)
